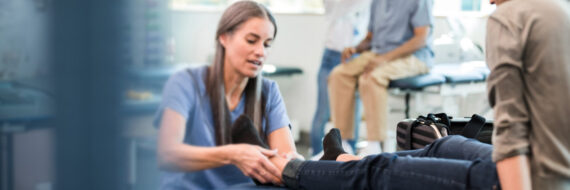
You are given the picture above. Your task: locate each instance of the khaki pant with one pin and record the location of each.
(373, 90)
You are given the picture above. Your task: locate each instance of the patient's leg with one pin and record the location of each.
(332, 144)
(390, 171)
(453, 147)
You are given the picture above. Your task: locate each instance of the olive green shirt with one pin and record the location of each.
(528, 52)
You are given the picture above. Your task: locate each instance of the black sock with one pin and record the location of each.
(243, 131)
(332, 145)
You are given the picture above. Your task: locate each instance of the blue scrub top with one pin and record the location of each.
(392, 23)
(181, 95)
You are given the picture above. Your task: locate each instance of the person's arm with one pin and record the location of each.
(421, 20)
(510, 136)
(361, 47)
(277, 122)
(364, 45)
(173, 154)
(282, 140)
(417, 42)
(514, 173)
(409, 47)
(505, 88)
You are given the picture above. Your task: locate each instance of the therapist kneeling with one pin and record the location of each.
(199, 106)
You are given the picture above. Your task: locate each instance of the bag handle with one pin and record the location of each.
(475, 125)
(439, 118)
(444, 119)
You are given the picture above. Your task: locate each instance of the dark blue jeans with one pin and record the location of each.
(452, 162)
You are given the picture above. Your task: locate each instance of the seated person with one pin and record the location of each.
(397, 45)
(452, 162)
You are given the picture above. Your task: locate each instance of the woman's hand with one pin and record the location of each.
(254, 162)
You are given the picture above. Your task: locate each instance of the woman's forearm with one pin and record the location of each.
(183, 157)
(174, 154)
(282, 140)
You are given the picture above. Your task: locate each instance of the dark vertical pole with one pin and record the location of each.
(87, 58)
(407, 102)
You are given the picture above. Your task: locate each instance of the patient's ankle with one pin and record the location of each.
(332, 145)
(347, 157)
(279, 162)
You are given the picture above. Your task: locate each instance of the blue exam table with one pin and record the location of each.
(440, 74)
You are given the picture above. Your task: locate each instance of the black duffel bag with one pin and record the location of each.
(414, 134)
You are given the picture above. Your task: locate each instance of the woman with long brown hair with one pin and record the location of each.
(199, 105)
